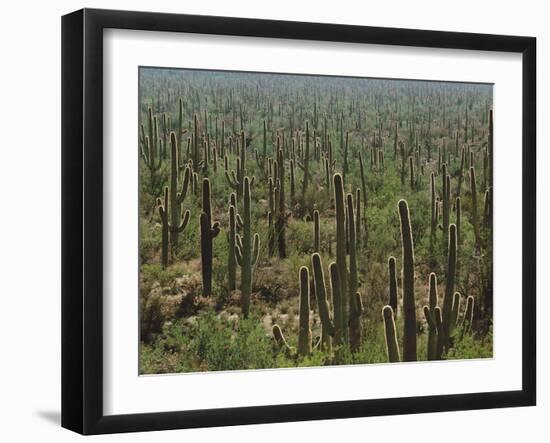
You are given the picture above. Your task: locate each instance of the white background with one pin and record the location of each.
(30, 228)
(126, 393)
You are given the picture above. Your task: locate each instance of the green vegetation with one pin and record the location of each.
(305, 221)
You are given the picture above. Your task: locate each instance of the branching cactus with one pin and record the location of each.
(208, 231)
(390, 332)
(429, 313)
(324, 312)
(247, 251)
(236, 178)
(447, 312)
(177, 194)
(304, 333)
(150, 152)
(409, 304)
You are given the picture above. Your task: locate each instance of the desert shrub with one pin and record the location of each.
(467, 346)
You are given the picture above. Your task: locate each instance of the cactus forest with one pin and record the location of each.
(295, 220)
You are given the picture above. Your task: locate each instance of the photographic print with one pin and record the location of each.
(302, 220)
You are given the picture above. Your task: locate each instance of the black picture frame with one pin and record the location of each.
(82, 216)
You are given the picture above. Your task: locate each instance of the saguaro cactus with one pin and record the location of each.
(429, 313)
(236, 179)
(282, 215)
(468, 315)
(358, 216)
(449, 288)
(208, 231)
(475, 214)
(305, 165)
(177, 197)
(393, 284)
(339, 325)
(409, 304)
(162, 208)
(341, 247)
(231, 258)
(150, 152)
(304, 333)
(392, 347)
(433, 224)
(316, 232)
(247, 251)
(355, 304)
(322, 303)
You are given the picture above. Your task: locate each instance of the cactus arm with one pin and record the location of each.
(440, 340)
(231, 179)
(239, 254)
(321, 294)
(280, 340)
(468, 314)
(392, 348)
(454, 311)
(239, 241)
(304, 333)
(256, 249)
(184, 221)
(240, 223)
(185, 185)
(215, 230)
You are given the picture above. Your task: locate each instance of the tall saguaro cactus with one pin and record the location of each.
(247, 251)
(341, 247)
(316, 232)
(393, 284)
(208, 231)
(304, 333)
(475, 213)
(355, 304)
(339, 325)
(409, 305)
(305, 165)
(231, 256)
